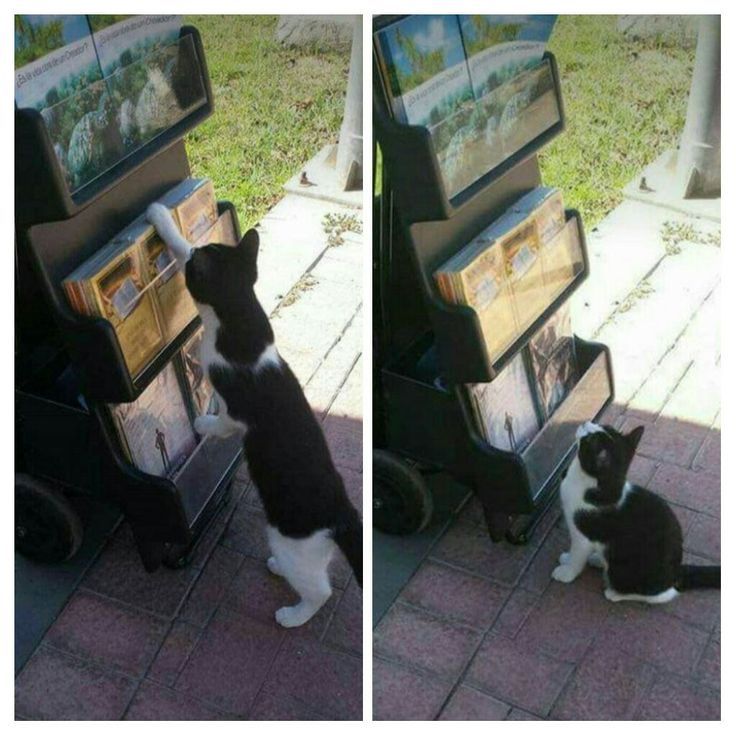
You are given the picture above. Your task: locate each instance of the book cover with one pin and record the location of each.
(118, 292)
(506, 409)
(200, 388)
(553, 359)
(156, 429)
(176, 306)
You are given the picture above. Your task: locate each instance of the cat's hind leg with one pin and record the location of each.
(664, 597)
(304, 563)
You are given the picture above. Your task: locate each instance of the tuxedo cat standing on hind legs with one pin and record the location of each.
(307, 509)
(628, 531)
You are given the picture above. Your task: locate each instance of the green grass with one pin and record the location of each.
(625, 104)
(274, 109)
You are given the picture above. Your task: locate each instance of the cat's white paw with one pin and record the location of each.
(273, 565)
(291, 616)
(613, 596)
(564, 574)
(206, 424)
(564, 558)
(595, 559)
(158, 215)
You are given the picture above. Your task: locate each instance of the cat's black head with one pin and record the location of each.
(223, 276)
(605, 454)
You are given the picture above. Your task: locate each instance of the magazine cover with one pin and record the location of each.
(156, 428)
(139, 58)
(58, 74)
(562, 259)
(552, 351)
(506, 408)
(122, 39)
(428, 83)
(513, 88)
(202, 392)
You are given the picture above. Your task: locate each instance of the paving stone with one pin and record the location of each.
(704, 537)
(345, 631)
(119, 574)
(174, 652)
(467, 704)
(608, 685)
(709, 455)
(641, 470)
(697, 490)
(153, 702)
(655, 637)
(674, 699)
(455, 594)
(345, 438)
(353, 487)
(700, 608)
(565, 621)
(324, 680)
(246, 533)
(669, 440)
(513, 673)
(402, 694)
(107, 634)
(54, 686)
(210, 588)
(517, 714)
(708, 672)
(277, 706)
(469, 547)
(416, 638)
(516, 611)
(230, 662)
(256, 593)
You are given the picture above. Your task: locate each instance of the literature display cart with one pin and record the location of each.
(429, 353)
(70, 368)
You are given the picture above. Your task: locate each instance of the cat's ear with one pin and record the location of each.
(633, 437)
(247, 249)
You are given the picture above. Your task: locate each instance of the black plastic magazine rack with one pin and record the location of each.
(426, 350)
(70, 367)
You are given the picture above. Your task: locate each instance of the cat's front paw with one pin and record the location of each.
(564, 558)
(274, 567)
(564, 574)
(206, 424)
(158, 215)
(291, 616)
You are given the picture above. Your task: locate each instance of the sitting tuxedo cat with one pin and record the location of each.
(306, 506)
(623, 528)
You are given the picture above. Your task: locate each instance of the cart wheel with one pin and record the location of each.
(402, 503)
(47, 528)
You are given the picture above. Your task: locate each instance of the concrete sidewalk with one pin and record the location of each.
(481, 632)
(201, 643)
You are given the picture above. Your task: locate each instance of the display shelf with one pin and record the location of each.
(460, 341)
(44, 192)
(92, 341)
(434, 424)
(410, 156)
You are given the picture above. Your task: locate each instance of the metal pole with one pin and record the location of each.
(349, 163)
(699, 158)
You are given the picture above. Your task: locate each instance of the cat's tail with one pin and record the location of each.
(699, 576)
(348, 536)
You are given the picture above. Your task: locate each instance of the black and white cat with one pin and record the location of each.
(307, 509)
(628, 531)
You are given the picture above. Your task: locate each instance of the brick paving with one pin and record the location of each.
(201, 643)
(481, 632)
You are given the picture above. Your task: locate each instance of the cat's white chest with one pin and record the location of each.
(573, 488)
(209, 355)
